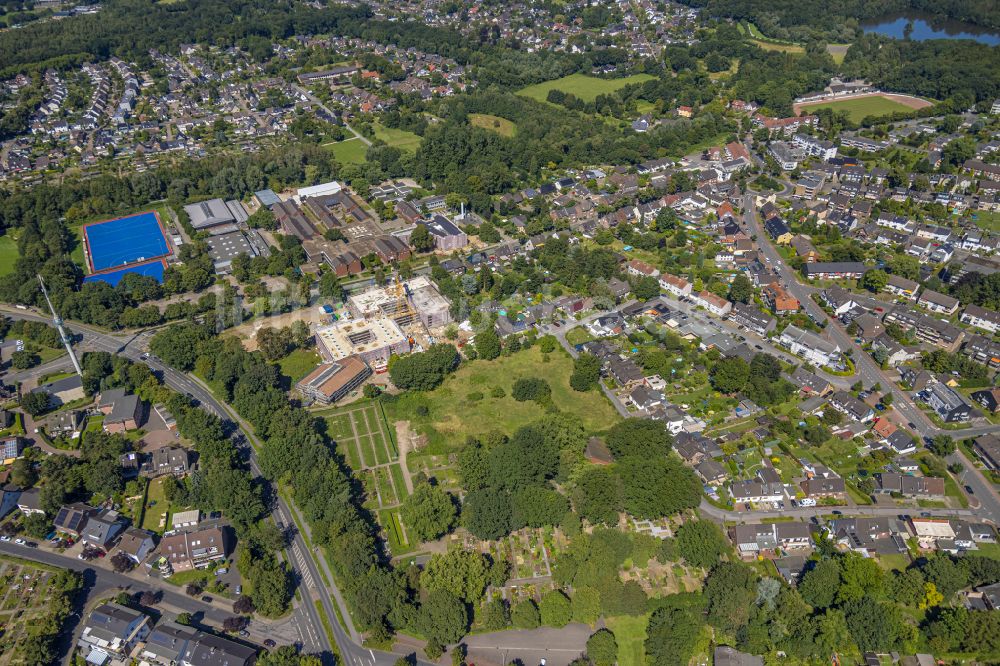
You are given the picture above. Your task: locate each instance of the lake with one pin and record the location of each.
(928, 26)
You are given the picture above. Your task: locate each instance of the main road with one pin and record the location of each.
(870, 373)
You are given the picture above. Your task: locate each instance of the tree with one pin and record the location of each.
(424, 371)
(530, 388)
(646, 288)
(122, 562)
(22, 360)
(741, 289)
(330, 287)
(22, 473)
(487, 513)
(701, 543)
(37, 525)
(586, 605)
(586, 372)
(149, 598)
(183, 618)
(555, 609)
(729, 375)
(496, 614)
(598, 495)
(730, 591)
(35, 403)
(644, 438)
(672, 635)
(235, 624)
(874, 280)
(942, 445)
(820, 583)
(657, 487)
(488, 344)
(525, 615)
(443, 616)
(602, 648)
(460, 572)
(243, 606)
(421, 239)
(428, 513)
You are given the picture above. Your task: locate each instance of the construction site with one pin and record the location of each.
(394, 319)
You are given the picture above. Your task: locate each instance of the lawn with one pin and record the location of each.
(585, 87)
(454, 413)
(299, 363)
(155, 518)
(401, 139)
(986, 220)
(349, 151)
(578, 335)
(501, 126)
(630, 633)
(8, 254)
(860, 107)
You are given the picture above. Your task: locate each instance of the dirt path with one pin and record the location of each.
(407, 440)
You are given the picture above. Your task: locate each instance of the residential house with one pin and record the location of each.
(101, 528)
(855, 409)
(778, 231)
(72, 518)
(111, 632)
(921, 487)
(122, 410)
(810, 346)
(989, 399)
(211, 650)
(711, 472)
(894, 353)
(825, 488)
(839, 300)
(166, 643)
(641, 269)
(779, 300)
(804, 248)
(11, 448)
(136, 544)
(756, 491)
(810, 383)
(752, 318)
(28, 502)
(987, 449)
(988, 320)
(765, 540)
(166, 460)
(196, 549)
(677, 286)
(925, 328)
(982, 350)
(939, 303)
(447, 237)
(902, 287)
(10, 495)
(869, 536)
(717, 305)
(947, 403)
(869, 327)
(900, 442)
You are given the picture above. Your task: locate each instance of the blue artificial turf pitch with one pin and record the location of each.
(153, 269)
(127, 240)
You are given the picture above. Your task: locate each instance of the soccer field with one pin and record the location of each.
(859, 107)
(585, 87)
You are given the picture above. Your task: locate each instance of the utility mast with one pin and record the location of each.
(57, 320)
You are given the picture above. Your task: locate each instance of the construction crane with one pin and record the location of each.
(403, 314)
(58, 322)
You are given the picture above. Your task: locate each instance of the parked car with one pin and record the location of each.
(269, 643)
(19, 541)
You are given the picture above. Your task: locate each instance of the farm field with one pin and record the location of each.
(585, 87)
(398, 138)
(455, 410)
(501, 126)
(859, 107)
(349, 151)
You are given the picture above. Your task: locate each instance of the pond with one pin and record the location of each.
(929, 26)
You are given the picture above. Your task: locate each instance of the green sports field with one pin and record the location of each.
(8, 254)
(860, 107)
(585, 87)
(349, 151)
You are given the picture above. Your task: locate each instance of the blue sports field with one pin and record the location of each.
(126, 240)
(153, 269)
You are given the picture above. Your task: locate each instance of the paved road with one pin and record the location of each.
(870, 373)
(558, 647)
(809, 512)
